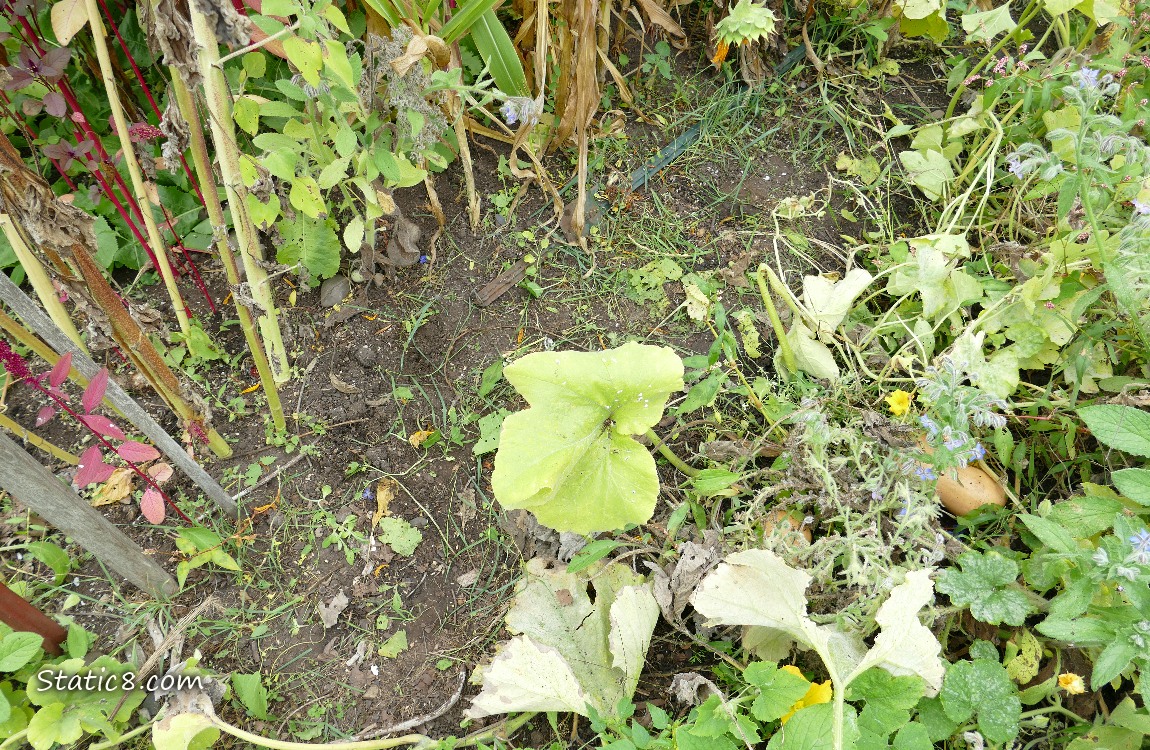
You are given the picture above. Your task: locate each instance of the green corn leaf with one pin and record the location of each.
(498, 52)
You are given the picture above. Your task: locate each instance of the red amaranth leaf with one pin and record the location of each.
(152, 505)
(60, 372)
(94, 393)
(160, 472)
(44, 415)
(92, 468)
(137, 452)
(103, 425)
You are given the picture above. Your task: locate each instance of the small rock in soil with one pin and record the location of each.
(419, 522)
(377, 457)
(333, 290)
(366, 356)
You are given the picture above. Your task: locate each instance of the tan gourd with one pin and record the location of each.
(969, 489)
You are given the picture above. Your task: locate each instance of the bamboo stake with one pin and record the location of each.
(39, 442)
(99, 36)
(34, 486)
(115, 395)
(38, 277)
(227, 152)
(207, 178)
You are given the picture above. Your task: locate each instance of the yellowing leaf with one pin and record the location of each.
(697, 302)
(394, 646)
(571, 653)
(419, 437)
(827, 302)
(68, 17)
(384, 492)
(113, 491)
(905, 646)
(929, 170)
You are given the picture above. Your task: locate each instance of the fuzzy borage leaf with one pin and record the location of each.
(570, 458)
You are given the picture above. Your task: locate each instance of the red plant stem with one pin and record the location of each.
(18, 118)
(63, 405)
(69, 96)
(148, 94)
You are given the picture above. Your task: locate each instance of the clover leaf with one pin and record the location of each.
(570, 458)
(982, 585)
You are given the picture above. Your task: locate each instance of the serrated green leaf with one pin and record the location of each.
(1123, 428)
(1049, 533)
(1134, 484)
(981, 585)
(51, 726)
(1087, 516)
(1112, 661)
(569, 459)
(811, 728)
(1083, 630)
(913, 736)
(18, 649)
(312, 243)
(983, 689)
(779, 690)
(400, 535)
(250, 690)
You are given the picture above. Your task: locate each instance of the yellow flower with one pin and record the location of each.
(720, 53)
(1071, 683)
(899, 403)
(817, 693)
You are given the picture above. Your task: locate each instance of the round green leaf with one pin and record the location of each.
(569, 458)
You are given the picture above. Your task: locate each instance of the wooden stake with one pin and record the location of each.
(20, 615)
(34, 486)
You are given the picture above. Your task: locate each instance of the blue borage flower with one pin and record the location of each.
(519, 109)
(1141, 543)
(925, 473)
(1086, 78)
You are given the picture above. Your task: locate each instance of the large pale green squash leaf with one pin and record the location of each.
(571, 653)
(569, 459)
(757, 588)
